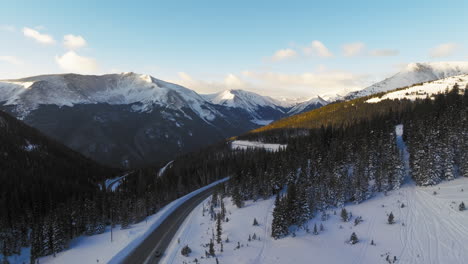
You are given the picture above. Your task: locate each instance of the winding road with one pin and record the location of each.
(159, 240)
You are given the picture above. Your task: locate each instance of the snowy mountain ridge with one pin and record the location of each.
(426, 89)
(242, 99)
(312, 103)
(113, 89)
(414, 73)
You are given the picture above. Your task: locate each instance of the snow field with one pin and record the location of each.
(424, 90)
(244, 144)
(428, 228)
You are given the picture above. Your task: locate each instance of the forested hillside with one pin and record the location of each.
(43, 189)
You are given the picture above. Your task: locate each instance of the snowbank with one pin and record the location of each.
(99, 248)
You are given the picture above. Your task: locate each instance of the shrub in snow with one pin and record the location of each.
(186, 251)
(358, 220)
(461, 207)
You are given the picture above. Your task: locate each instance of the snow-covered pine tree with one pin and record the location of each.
(219, 229)
(279, 226)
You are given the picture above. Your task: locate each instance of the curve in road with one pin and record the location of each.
(158, 241)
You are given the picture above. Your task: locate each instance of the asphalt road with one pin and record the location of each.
(159, 240)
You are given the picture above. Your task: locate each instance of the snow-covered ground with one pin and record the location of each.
(163, 169)
(244, 144)
(114, 183)
(428, 229)
(415, 73)
(100, 249)
(427, 89)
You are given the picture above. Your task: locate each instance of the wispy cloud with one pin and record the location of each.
(8, 28)
(73, 42)
(444, 50)
(11, 60)
(353, 49)
(384, 52)
(284, 54)
(317, 48)
(72, 62)
(37, 36)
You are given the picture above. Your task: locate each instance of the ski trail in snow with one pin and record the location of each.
(266, 237)
(434, 232)
(364, 248)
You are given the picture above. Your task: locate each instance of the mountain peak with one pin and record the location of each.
(414, 73)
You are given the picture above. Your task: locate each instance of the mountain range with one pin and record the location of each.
(133, 120)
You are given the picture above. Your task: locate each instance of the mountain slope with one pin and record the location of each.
(39, 175)
(133, 120)
(311, 104)
(126, 120)
(351, 111)
(414, 73)
(261, 109)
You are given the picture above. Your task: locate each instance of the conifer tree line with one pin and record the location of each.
(49, 196)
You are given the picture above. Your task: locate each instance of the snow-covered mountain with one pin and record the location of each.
(426, 89)
(414, 73)
(264, 109)
(114, 89)
(310, 104)
(123, 119)
(131, 119)
(261, 109)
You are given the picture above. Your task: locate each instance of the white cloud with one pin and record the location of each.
(9, 28)
(11, 60)
(444, 50)
(230, 81)
(353, 49)
(72, 62)
(317, 48)
(384, 52)
(321, 82)
(39, 37)
(311, 83)
(73, 42)
(284, 54)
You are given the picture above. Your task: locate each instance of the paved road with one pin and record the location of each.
(159, 240)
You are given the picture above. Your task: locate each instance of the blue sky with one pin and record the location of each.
(281, 48)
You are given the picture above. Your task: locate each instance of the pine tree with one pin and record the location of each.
(461, 207)
(391, 219)
(211, 249)
(219, 229)
(353, 239)
(344, 215)
(255, 223)
(315, 229)
(279, 226)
